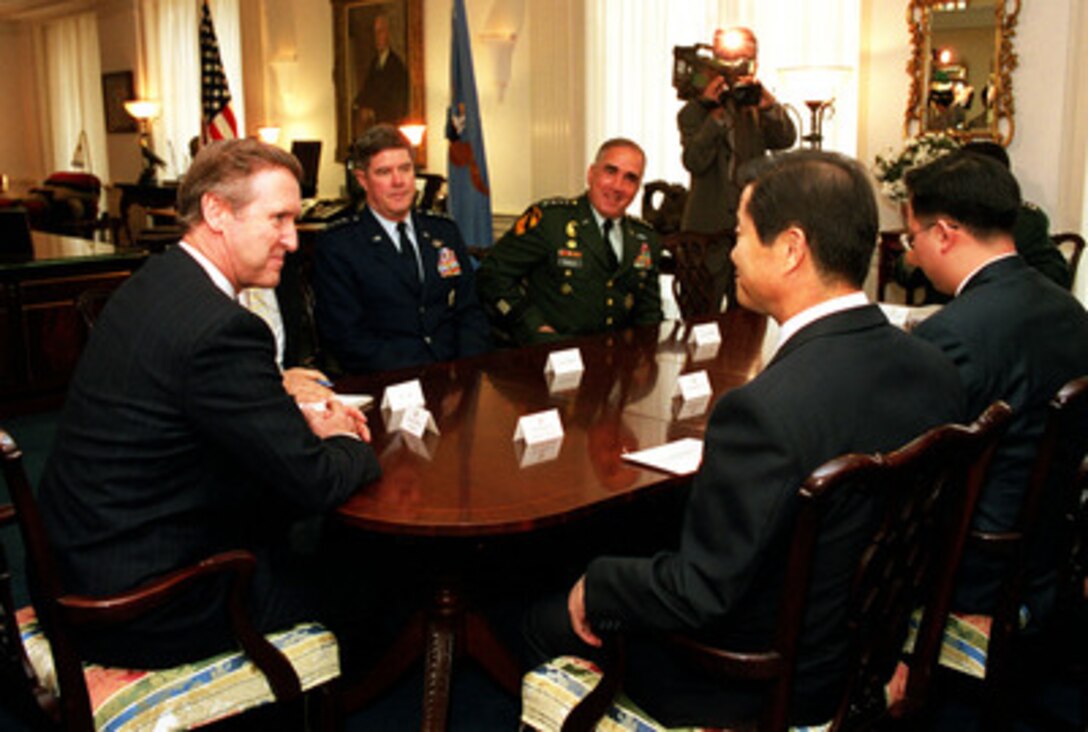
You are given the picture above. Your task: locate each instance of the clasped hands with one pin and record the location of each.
(326, 415)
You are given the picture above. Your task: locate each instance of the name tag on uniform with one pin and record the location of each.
(569, 258)
(448, 266)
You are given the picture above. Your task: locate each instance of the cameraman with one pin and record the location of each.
(734, 120)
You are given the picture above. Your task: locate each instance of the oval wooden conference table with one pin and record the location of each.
(472, 484)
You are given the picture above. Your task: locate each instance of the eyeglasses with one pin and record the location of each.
(906, 239)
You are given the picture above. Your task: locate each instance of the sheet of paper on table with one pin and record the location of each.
(680, 457)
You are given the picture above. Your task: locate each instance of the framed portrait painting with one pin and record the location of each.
(378, 67)
(117, 88)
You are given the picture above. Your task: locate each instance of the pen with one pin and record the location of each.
(324, 382)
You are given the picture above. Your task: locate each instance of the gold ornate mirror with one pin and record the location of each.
(961, 66)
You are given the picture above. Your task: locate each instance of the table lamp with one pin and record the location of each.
(143, 111)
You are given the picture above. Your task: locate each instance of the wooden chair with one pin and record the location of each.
(663, 205)
(927, 490)
(1071, 246)
(40, 662)
(1051, 516)
(692, 285)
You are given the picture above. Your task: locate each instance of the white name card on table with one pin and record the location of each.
(705, 334)
(680, 457)
(563, 382)
(686, 408)
(567, 361)
(541, 452)
(539, 427)
(398, 399)
(417, 421)
(695, 385)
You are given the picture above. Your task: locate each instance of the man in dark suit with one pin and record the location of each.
(178, 439)
(383, 97)
(842, 380)
(1012, 333)
(395, 287)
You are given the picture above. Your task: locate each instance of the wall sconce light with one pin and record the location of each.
(269, 135)
(143, 111)
(816, 87)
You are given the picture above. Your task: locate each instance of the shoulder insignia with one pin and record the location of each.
(340, 223)
(527, 220)
(558, 201)
(639, 222)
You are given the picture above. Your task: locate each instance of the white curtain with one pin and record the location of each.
(171, 43)
(629, 65)
(72, 93)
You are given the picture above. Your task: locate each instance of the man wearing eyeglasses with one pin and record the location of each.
(1012, 333)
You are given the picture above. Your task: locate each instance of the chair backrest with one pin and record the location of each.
(663, 205)
(1048, 528)
(693, 284)
(929, 488)
(15, 239)
(74, 697)
(1071, 246)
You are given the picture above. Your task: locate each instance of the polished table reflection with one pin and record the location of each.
(471, 483)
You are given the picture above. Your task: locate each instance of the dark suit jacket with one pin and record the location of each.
(178, 440)
(367, 313)
(849, 382)
(1017, 336)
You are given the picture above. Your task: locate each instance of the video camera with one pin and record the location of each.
(693, 68)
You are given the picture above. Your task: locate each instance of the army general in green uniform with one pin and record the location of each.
(576, 266)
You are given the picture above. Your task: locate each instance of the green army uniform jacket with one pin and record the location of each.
(551, 268)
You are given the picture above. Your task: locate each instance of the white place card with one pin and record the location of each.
(563, 382)
(680, 457)
(540, 452)
(695, 385)
(539, 427)
(399, 397)
(361, 401)
(567, 361)
(704, 352)
(705, 334)
(424, 446)
(417, 421)
(687, 408)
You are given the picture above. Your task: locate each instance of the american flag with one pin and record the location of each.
(218, 119)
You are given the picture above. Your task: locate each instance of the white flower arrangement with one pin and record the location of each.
(922, 150)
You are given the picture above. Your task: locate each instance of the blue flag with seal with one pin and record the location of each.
(469, 189)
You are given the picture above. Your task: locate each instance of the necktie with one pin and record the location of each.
(408, 254)
(606, 232)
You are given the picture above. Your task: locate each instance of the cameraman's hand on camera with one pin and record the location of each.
(767, 100)
(711, 97)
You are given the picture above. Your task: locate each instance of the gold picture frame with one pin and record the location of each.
(389, 93)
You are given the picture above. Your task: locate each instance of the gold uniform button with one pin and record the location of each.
(568, 273)
(609, 284)
(566, 289)
(608, 320)
(609, 302)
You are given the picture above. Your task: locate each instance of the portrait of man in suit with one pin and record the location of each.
(806, 232)
(383, 90)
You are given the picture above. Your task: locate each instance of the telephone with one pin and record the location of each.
(324, 210)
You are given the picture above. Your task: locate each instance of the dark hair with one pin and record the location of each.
(224, 168)
(828, 196)
(376, 139)
(989, 148)
(976, 191)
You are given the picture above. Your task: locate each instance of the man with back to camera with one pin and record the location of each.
(178, 439)
(734, 120)
(1012, 333)
(575, 266)
(395, 287)
(806, 231)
